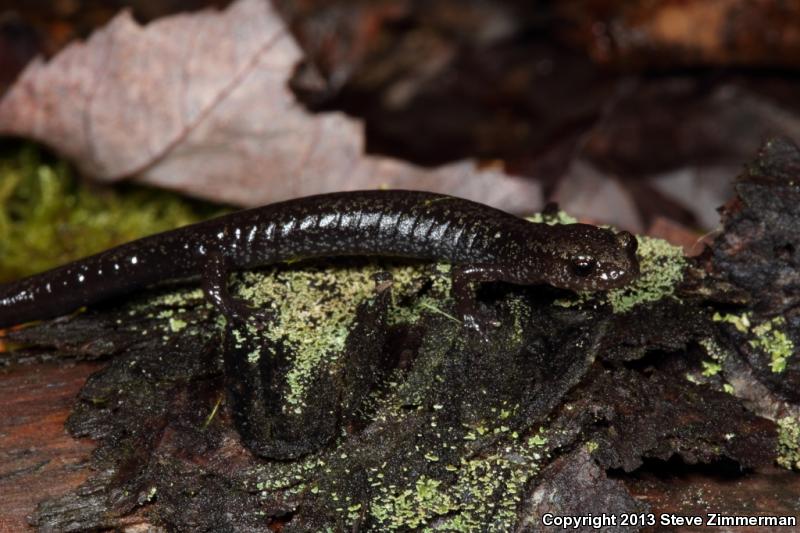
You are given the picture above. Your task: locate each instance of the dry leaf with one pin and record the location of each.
(199, 103)
(597, 198)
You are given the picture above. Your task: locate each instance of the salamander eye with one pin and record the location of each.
(583, 266)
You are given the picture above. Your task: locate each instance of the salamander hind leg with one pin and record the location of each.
(215, 286)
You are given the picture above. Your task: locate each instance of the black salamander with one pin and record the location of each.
(484, 244)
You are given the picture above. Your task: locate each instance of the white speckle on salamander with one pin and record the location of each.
(287, 227)
(306, 223)
(612, 274)
(326, 221)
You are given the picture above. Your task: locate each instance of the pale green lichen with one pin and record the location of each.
(170, 315)
(716, 353)
(789, 443)
(661, 268)
(713, 349)
(464, 491)
(411, 508)
(484, 497)
(740, 322)
(151, 494)
(315, 310)
(767, 337)
(176, 324)
(437, 299)
(774, 342)
(711, 368)
(282, 475)
(184, 298)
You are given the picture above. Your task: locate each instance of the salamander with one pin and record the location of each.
(483, 243)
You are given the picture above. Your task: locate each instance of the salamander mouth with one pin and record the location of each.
(603, 279)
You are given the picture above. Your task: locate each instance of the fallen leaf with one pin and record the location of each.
(199, 103)
(597, 198)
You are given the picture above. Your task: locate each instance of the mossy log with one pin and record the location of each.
(364, 404)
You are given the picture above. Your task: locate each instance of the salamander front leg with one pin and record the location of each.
(465, 277)
(215, 286)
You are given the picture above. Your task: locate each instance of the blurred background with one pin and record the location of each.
(638, 114)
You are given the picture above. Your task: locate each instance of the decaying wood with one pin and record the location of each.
(38, 458)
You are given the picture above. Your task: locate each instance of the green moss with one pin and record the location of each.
(49, 217)
(789, 443)
(767, 337)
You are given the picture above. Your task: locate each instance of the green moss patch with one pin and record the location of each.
(767, 337)
(789, 443)
(49, 217)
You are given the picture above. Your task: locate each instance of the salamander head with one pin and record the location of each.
(589, 258)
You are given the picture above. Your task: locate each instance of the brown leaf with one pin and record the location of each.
(199, 103)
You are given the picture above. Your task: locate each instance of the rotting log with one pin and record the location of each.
(368, 407)
(38, 458)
